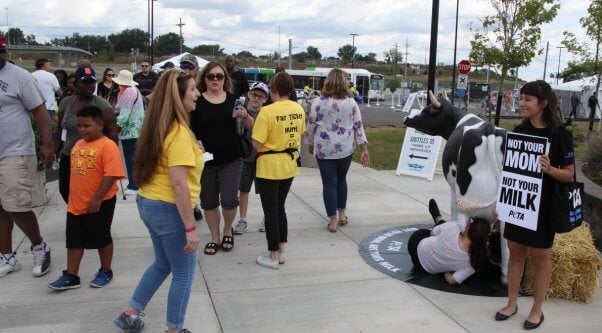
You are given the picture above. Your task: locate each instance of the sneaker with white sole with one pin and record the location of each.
(262, 225)
(240, 227)
(130, 323)
(129, 191)
(102, 278)
(65, 281)
(281, 258)
(266, 261)
(41, 259)
(8, 264)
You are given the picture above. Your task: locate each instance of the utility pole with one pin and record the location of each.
(290, 53)
(453, 87)
(181, 37)
(279, 53)
(405, 70)
(352, 48)
(558, 71)
(545, 64)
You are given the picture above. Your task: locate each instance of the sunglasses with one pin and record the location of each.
(144, 66)
(258, 96)
(110, 75)
(215, 76)
(188, 67)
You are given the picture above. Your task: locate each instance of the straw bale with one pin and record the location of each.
(575, 266)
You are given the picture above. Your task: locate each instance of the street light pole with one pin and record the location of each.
(453, 87)
(352, 48)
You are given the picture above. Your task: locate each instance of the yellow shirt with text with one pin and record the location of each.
(179, 148)
(279, 126)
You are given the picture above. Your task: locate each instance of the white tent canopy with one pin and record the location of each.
(176, 61)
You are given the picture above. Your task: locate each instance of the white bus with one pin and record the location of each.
(367, 84)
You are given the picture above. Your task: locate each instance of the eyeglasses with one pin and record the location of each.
(188, 67)
(143, 66)
(258, 96)
(215, 76)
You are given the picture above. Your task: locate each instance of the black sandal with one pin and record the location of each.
(211, 246)
(227, 240)
(344, 222)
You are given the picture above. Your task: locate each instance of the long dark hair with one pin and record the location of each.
(478, 233)
(165, 109)
(543, 92)
(228, 86)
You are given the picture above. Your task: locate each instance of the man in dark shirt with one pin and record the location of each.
(239, 80)
(592, 103)
(146, 78)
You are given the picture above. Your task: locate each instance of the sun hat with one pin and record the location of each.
(261, 86)
(85, 73)
(125, 78)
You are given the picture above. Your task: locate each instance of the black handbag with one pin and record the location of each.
(567, 209)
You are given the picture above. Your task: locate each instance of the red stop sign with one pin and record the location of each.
(464, 67)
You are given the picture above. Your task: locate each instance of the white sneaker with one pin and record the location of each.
(281, 258)
(41, 259)
(262, 225)
(130, 192)
(266, 261)
(8, 264)
(240, 227)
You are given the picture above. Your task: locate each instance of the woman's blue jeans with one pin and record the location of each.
(334, 183)
(129, 152)
(169, 239)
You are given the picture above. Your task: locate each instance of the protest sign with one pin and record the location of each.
(519, 194)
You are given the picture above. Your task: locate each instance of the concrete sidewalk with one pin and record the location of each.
(324, 286)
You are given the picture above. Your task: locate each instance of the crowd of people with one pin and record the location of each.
(191, 135)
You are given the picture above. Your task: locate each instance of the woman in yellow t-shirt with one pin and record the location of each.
(168, 166)
(277, 138)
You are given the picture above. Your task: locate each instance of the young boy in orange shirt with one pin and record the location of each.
(95, 166)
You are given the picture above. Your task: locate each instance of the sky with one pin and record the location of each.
(263, 27)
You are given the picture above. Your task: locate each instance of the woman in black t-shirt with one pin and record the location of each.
(538, 107)
(214, 123)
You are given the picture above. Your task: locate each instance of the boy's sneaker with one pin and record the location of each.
(262, 225)
(8, 264)
(65, 281)
(102, 278)
(41, 258)
(266, 261)
(133, 324)
(240, 227)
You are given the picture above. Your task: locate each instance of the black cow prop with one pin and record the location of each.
(472, 161)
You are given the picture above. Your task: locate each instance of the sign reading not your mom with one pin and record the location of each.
(520, 189)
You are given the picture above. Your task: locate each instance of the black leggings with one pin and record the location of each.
(413, 242)
(273, 196)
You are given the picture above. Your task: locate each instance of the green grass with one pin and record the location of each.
(384, 143)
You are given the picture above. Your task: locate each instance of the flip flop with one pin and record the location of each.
(211, 246)
(342, 223)
(331, 230)
(227, 240)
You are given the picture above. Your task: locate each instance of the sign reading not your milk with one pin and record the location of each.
(519, 195)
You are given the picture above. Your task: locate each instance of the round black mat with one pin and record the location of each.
(386, 251)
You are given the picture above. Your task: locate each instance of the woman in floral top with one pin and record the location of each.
(334, 129)
(130, 114)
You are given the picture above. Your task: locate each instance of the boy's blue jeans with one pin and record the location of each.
(334, 183)
(169, 239)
